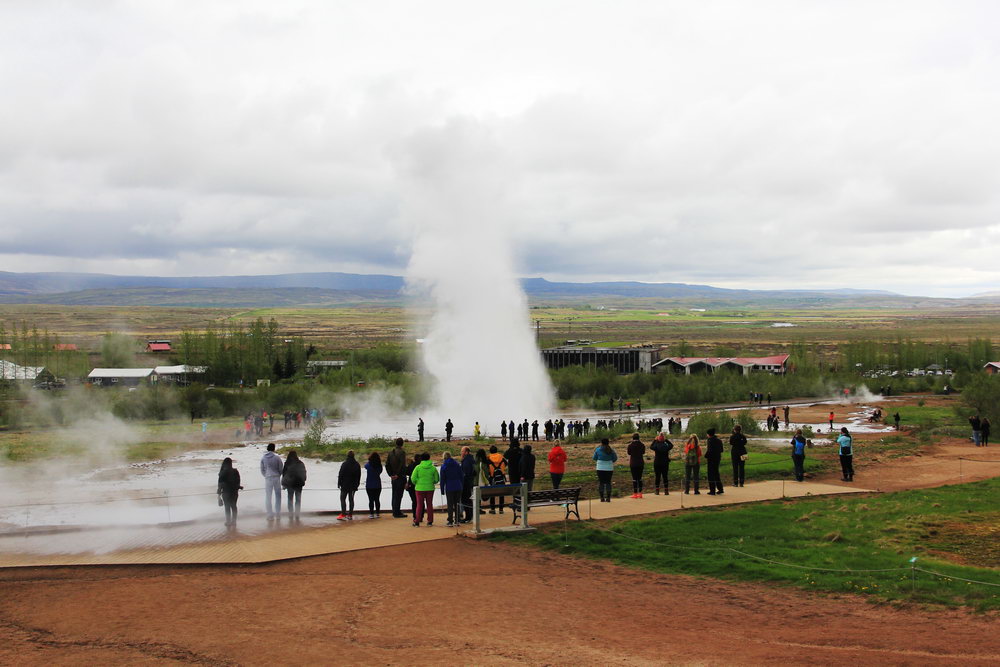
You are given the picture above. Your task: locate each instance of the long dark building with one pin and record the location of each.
(622, 359)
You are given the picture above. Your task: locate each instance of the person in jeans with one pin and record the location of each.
(293, 478)
(713, 459)
(661, 448)
(799, 455)
(270, 469)
(451, 486)
(395, 467)
(636, 462)
(846, 450)
(977, 430)
(557, 465)
(738, 453)
(495, 475)
(373, 484)
(229, 489)
(528, 468)
(469, 475)
(692, 464)
(424, 478)
(605, 458)
(348, 481)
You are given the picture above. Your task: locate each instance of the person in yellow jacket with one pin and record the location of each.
(424, 479)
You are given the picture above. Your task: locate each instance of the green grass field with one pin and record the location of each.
(824, 544)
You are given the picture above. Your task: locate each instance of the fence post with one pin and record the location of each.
(913, 576)
(476, 504)
(524, 506)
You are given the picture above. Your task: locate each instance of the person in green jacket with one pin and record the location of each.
(424, 479)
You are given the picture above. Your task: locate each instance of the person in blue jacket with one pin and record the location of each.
(845, 447)
(469, 475)
(451, 486)
(605, 458)
(799, 455)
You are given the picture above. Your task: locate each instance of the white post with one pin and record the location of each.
(476, 504)
(524, 506)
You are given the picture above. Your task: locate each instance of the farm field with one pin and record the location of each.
(357, 327)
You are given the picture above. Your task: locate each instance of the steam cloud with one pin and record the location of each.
(479, 348)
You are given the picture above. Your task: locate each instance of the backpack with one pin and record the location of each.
(691, 457)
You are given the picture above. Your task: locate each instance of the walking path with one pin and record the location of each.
(258, 541)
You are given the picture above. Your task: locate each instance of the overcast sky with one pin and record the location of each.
(739, 144)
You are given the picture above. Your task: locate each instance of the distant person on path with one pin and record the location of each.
(229, 489)
(692, 463)
(895, 418)
(395, 467)
(513, 458)
(503, 429)
(510, 429)
(469, 480)
(977, 430)
(605, 458)
(420, 429)
(534, 430)
(204, 430)
(348, 481)
(785, 410)
(448, 428)
(799, 455)
(846, 450)
(528, 468)
(984, 431)
(373, 484)
(661, 461)
(293, 478)
(452, 481)
(636, 462)
(475, 433)
(557, 465)
(769, 398)
(713, 458)
(830, 419)
(425, 478)
(496, 476)
(270, 469)
(738, 453)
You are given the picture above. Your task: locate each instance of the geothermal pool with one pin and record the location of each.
(58, 508)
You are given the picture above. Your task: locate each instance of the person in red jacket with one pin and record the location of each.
(557, 465)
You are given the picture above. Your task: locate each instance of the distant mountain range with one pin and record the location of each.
(338, 289)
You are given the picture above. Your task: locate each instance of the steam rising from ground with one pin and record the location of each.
(479, 348)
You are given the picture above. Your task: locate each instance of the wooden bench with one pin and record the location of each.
(570, 498)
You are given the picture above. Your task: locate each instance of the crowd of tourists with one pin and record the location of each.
(418, 477)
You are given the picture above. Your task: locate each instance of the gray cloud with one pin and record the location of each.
(755, 145)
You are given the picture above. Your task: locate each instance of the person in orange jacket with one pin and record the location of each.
(497, 475)
(557, 465)
(692, 463)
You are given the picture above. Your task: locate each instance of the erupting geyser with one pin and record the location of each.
(479, 347)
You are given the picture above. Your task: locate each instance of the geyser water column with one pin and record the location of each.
(479, 348)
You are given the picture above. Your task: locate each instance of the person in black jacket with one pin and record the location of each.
(348, 481)
(468, 482)
(410, 491)
(229, 489)
(293, 478)
(448, 428)
(395, 468)
(713, 458)
(984, 431)
(513, 458)
(738, 451)
(661, 461)
(528, 467)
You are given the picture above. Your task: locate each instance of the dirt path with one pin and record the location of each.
(456, 601)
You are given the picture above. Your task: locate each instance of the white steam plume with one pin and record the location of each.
(479, 348)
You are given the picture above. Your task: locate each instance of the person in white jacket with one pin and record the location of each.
(270, 468)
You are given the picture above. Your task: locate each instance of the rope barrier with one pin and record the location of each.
(962, 458)
(948, 576)
(749, 555)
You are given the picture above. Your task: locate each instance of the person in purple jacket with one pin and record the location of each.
(451, 486)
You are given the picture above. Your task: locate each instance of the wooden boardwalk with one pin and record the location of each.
(206, 543)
